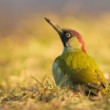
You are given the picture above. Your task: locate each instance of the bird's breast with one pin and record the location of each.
(60, 77)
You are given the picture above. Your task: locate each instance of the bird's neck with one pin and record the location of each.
(74, 44)
(66, 49)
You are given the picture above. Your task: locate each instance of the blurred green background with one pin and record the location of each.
(28, 45)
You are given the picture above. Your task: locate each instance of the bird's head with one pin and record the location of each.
(71, 39)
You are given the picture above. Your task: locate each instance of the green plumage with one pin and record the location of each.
(80, 69)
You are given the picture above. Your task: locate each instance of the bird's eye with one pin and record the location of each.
(68, 35)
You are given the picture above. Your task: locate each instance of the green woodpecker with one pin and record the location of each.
(74, 66)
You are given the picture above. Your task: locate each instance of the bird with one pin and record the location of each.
(74, 66)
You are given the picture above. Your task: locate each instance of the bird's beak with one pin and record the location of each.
(55, 26)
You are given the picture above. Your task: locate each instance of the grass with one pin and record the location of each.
(26, 58)
(46, 95)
